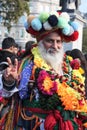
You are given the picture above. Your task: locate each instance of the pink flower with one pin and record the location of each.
(1, 98)
(46, 84)
(75, 64)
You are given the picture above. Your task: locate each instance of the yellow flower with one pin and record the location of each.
(47, 84)
(78, 76)
(81, 70)
(38, 60)
(70, 58)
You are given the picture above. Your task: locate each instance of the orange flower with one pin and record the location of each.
(47, 84)
(85, 125)
(71, 98)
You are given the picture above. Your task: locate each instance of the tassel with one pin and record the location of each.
(9, 122)
(2, 121)
(31, 96)
(25, 117)
(1, 106)
(37, 125)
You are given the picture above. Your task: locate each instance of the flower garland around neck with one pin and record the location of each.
(38, 61)
(66, 90)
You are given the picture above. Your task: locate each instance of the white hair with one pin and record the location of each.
(53, 59)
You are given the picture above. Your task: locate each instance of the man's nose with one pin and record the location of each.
(55, 44)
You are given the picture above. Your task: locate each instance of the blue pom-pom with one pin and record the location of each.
(74, 25)
(36, 24)
(26, 25)
(53, 20)
(66, 30)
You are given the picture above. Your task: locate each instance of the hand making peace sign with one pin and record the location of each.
(11, 71)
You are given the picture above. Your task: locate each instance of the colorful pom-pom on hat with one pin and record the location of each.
(53, 20)
(30, 18)
(46, 23)
(43, 17)
(36, 24)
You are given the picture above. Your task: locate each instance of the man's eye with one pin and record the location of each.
(59, 41)
(49, 40)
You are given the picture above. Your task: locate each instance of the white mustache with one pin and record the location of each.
(50, 50)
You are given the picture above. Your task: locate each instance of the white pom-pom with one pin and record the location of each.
(71, 31)
(54, 13)
(68, 30)
(47, 26)
(65, 15)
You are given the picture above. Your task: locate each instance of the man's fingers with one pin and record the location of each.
(16, 64)
(9, 62)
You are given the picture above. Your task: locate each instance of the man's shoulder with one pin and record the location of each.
(27, 58)
(5, 54)
(25, 61)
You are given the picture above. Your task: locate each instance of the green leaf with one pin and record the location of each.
(12, 10)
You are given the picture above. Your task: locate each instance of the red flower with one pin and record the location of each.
(75, 64)
(46, 83)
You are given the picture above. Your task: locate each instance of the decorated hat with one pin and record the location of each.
(45, 23)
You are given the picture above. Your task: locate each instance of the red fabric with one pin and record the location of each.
(50, 122)
(79, 122)
(54, 118)
(32, 31)
(45, 33)
(38, 110)
(73, 37)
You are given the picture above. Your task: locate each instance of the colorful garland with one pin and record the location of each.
(69, 88)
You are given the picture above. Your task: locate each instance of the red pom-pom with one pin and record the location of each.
(32, 31)
(73, 37)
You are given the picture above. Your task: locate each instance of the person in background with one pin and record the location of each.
(85, 56)
(48, 84)
(9, 49)
(20, 52)
(68, 52)
(28, 47)
(77, 54)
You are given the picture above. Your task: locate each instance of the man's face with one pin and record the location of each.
(14, 50)
(51, 50)
(52, 43)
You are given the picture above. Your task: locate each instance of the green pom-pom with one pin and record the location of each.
(62, 22)
(43, 17)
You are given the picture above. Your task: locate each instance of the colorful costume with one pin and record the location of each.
(60, 100)
(57, 100)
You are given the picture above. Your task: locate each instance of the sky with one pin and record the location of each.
(83, 6)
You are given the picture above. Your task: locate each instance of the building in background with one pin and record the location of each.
(18, 31)
(36, 6)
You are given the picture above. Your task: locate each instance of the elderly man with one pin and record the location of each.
(50, 84)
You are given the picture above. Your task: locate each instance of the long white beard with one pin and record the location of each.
(54, 60)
